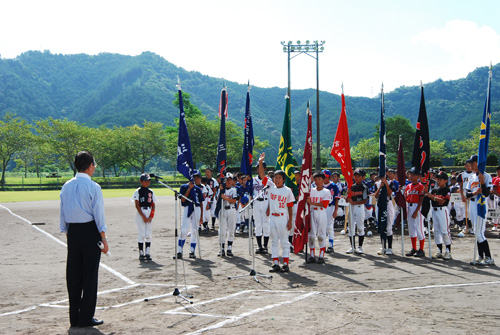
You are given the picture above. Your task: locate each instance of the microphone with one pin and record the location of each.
(152, 175)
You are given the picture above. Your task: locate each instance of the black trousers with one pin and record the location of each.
(82, 270)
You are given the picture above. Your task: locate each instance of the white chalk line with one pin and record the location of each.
(57, 304)
(104, 266)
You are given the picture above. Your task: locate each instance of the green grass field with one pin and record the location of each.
(17, 196)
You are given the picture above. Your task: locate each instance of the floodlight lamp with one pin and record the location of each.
(307, 42)
(293, 48)
(298, 42)
(322, 48)
(316, 42)
(299, 47)
(289, 42)
(282, 42)
(315, 48)
(284, 48)
(322, 42)
(307, 48)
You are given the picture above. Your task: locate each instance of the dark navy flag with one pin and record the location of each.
(382, 199)
(484, 138)
(221, 148)
(247, 157)
(184, 156)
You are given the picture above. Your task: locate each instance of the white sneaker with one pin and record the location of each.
(437, 255)
(476, 262)
(350, 251)
(381, 251)
(388, 251)
(360, 250)
(447, 255)
(487, 261)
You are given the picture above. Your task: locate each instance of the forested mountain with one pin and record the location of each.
(118, 90)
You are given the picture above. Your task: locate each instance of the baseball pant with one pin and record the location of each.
(318, 227)
(227, 224)
(357, 220)
(279, 236)
(262, 226)
(391, 212)
(294, 216)
(330, 220)
(478, 222)
(212, 207)
(190, 223)
(441, 220)
(206, 213)
(459, 210)
(415, 225)
(144, 230)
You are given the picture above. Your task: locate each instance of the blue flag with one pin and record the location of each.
(184, 156)
(484, 139)
(221, 148)
(382, 199)
(247, 157)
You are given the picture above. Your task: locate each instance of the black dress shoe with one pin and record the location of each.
(93, 322)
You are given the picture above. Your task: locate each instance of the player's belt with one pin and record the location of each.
(81, 223)
(277, 214)
(439, 208)
(146, 207)
(318, 208)
(412, 204)
(260, 199)
(330, 205)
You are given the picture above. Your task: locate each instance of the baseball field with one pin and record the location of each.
(350, 294)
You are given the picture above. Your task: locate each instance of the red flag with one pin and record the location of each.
(303, 217)
(341, 149)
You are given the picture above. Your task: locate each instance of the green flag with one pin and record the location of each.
(285, 160)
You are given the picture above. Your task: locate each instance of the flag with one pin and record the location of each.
(421, 145)
(341, 150)
(382, 199)
(303, 217)
(221, 148)
(421, 149)
(184, 156)
(285, 159)
(484, 139)
(248, 142)
(400, 200)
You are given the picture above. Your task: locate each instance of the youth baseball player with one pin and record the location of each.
(357, 197)
(331, 210)
(144, 200)
(464, 182)
(227, 223)
(260, 213)
(390, 187)
(213, 185)
(414, 195)
(440, 198)
(280, 209)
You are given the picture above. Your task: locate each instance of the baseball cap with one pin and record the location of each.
(337, 174)
(196, 172)
(358, 171)
(229, 175)
(264, 165)
(415, 170)
(296, 171)
(327, 173)
(472, 158)
(442, 175)
(144, 177)
(391, 170)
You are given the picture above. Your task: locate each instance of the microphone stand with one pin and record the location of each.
(252, 273)
(176, 292)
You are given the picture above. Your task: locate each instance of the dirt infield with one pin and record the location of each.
(350, 294)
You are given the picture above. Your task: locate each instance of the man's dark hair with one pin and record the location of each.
(281, 173)
(209, 169)
(83, 159)
(319, 174)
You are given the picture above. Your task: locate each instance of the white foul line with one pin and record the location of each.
(116, 273)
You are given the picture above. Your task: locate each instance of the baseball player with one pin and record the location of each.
(464, 182)
(414, 195)
(244, 197)
(496, 191)
(479, 184)
(332, 209)
(357, 196)
(144, 200)
(319, 199)
(192, 215)
(213, 185)
(207, 196)
(339, 220)
(260, 213)
(227, 223)
(280, 209)
(390, 186)
(440, 198)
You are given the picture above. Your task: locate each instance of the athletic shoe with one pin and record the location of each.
(229, 253)
(192, 255)
(476, 262)
(142, 257)
(285, 268)
(420, 253)
(447, 255)
(359, 250)
(311, 260)
(245, 231)
(487, 261)
(381, 251)
(275, 268)
(413, 252)
(388, 251)
(350, 251)
(329, 250)
(259, 251)
(437, 255)
(264, 251)
(179, 255)
(148, 257)
(221, 253)
(320, 260)
(291, 249)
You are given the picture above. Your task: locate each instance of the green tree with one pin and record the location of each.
(14, 135)
(65, 138)
(189, 109)
(365, 150)
(438, 152)
(106, 145)
(395, 126)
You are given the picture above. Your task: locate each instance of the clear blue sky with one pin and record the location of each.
(367, 42)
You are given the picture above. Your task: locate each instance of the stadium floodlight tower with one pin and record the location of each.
(311, 49)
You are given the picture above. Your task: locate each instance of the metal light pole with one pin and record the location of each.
(311, 49)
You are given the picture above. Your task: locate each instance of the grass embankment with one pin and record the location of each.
(17, 196)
